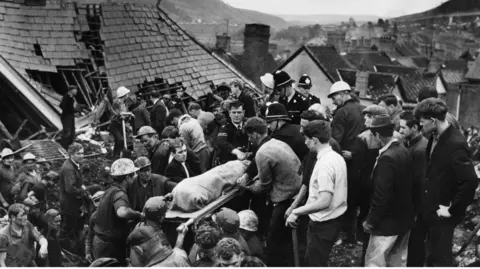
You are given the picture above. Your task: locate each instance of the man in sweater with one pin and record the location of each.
(450, 181)
(391, 211)
(327, 199)
(278, 168)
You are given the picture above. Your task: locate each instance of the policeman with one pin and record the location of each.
(232, 140)
(113, 213)
(293, 101)
(304, 85)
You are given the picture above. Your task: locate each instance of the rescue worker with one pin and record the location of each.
(149, 246)
(17, 240)
(120, 113)
(303, 86)
(229, 254)
(279, 123)
(239, 92)
(159, 150)
(28, 177)
(142, 116)
(232, 140)
(114, 212)
(293, 101)
(278, 167)
(68, 117)
(147, 184)
(7, 177)
(71, 197)
(269, 95)
(249, 232)
(158, 113)
(347, 124)
(90, 232)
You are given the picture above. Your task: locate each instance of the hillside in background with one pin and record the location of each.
(326, 19)
(449, 7)
(217, 12)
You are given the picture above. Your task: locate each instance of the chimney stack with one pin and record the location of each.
(434, 65)
(361, 83)
(255, 50)
(223, 42)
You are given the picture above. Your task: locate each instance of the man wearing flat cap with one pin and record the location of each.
(293, 101)
(391, 210)
(149, 245)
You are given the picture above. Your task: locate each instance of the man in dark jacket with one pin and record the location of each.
(71, 197)
(232, 140)
(347, 124)
(178, 169)
(159, 150)
(293, 101)
(68, 118)
(410, 129)
(391, 210)
(147, 185)
(450, 181)
(158, 113)
(142, 116)
(248, 103)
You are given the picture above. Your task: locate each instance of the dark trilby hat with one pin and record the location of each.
(381, 121)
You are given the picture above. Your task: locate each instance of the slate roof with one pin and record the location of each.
(411, 80)
(420, 61)
(453, 76)
(406, 49)
(474, 72)
(139, 43)
(457, 64)
(367, 60)
(378, 83)
(327, 59)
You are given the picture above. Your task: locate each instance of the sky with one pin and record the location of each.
(382, 8)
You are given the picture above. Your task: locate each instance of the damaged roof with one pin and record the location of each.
(138, 43)
(378, 83)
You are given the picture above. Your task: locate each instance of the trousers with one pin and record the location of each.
(387, 251)
(320, 239)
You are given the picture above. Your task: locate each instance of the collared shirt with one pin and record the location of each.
(382, 150)
(436, 137)
(289, 98)
(329, 175)
(186, 170)
(238, 126)
(19, 247)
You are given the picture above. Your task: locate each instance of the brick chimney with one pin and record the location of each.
(434, 65)
(361, 83)
(255, 50)
(223, 42)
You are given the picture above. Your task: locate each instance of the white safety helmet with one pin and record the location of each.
(123, 167)
(29, 156)
(267, 80)
(248, 220)
(339, 86)
(122, 91)
(5, 153)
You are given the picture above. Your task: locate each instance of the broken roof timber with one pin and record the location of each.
(31, 94)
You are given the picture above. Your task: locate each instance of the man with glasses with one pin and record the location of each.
(71, 197)
(147, 185)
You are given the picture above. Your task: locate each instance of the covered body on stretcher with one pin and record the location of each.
(198, 196)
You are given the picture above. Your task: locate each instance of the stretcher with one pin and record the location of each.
(189, 218)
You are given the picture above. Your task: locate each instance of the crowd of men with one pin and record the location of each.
(408, 173)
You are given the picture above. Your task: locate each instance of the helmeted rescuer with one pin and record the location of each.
(113, 213)
(304, 85)
(120, 111)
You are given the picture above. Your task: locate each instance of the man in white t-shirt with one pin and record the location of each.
(327, 198)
